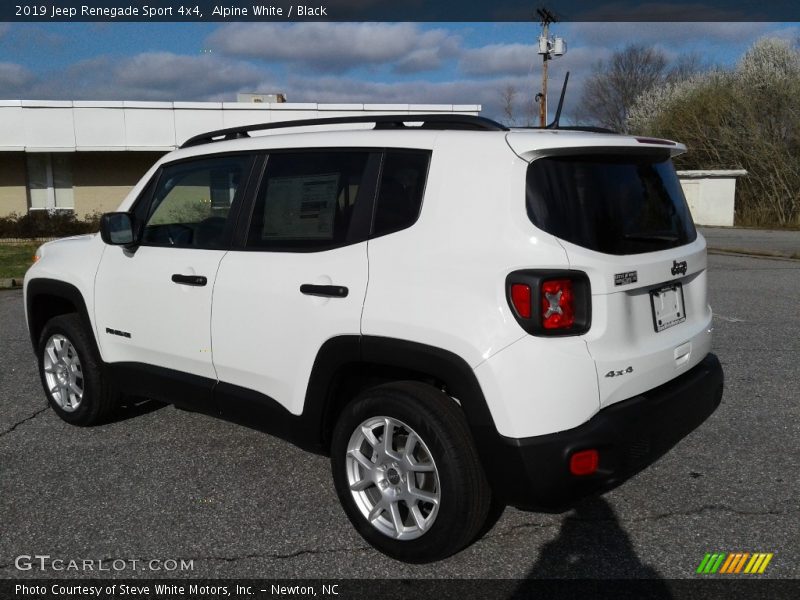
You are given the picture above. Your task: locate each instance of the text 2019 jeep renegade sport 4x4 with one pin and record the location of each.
(462, 315)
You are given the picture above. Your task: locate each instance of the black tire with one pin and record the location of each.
(437, 420)
(99, 399)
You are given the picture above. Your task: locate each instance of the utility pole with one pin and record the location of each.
(548, 48)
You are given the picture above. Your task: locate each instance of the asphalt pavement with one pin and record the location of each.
(754, 241)
(167, 484)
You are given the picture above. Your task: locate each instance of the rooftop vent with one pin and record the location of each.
(261, 98)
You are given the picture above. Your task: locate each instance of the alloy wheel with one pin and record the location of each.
(393, 478)
(63, 372)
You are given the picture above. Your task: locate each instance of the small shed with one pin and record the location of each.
(710, 195)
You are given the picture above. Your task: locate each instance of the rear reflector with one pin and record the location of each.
(521, 298)
(558, 304)
(584, 462)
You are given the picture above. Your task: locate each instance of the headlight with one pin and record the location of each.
(37, 255)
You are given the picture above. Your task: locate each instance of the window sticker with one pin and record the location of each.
(301, 207)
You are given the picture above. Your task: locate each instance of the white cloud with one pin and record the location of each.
(338, 47)
(146, 76)
(486, 92)
(522, 59)
(499, 59)
(14, 79)
(195, 76)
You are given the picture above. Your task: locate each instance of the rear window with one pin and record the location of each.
(611, 203)
(401, 190)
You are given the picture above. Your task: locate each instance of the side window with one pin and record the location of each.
(307, 200)
(192, 201)
(401, 190)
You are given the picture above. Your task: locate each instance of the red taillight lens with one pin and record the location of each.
(558, 304)
(584, 462)
(521, 298)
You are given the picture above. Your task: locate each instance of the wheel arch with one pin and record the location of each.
(48, 298)
(347, 365)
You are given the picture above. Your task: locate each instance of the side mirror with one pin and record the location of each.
(116, 228)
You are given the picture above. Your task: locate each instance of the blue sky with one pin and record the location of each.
(465, 63)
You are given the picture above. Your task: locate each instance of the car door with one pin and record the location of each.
(297, 280)
(153, 302)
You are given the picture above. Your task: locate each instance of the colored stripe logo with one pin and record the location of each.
(734, 563)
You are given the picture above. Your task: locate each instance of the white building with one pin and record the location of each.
(85, 156)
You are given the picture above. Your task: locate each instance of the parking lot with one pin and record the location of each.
(166, 484)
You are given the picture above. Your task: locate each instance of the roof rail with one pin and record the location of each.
(434, 121)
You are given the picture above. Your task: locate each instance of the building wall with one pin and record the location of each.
(102, 179)
(110, 145)
(88, 126)
(13, 189)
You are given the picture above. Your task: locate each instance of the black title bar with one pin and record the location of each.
(381, 10)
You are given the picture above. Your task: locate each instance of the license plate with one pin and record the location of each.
(668, 306)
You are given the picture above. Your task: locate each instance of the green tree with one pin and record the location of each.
(747, 117)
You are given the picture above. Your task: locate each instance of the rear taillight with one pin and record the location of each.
(549, 302)
(521, 299)
(558, 304)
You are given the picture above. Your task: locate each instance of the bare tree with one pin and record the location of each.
(685, 66)
(615, 84)
(508, 96)
(531, 111)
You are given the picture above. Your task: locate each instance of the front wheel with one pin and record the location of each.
(71, 373)
(407, 472)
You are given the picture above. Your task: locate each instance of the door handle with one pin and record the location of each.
(327, 291)
(195, 280)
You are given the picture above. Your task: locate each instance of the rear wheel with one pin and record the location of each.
(407, 472)
(71, 373)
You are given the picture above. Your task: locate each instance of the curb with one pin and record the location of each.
(754, 253)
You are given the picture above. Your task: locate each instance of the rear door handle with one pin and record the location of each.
(196, 280)
(327, 291)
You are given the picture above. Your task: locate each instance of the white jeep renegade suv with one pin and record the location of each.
(463, 316)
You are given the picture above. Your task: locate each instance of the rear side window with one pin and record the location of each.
(611, 203)
(401, 190)
(307, 200)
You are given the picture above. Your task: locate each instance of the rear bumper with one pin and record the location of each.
(629, 435)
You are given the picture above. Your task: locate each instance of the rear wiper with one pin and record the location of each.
(651, 237)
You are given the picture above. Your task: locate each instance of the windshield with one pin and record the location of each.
(611, 203)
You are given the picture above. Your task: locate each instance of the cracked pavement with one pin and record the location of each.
(167, 484)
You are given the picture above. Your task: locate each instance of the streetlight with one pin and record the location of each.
(549, 48)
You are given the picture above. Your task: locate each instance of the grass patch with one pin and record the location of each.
(15, 259)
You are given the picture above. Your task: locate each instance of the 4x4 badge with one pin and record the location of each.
(679, 268)
(620, 372)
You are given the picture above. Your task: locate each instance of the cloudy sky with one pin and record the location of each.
(463, 63)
